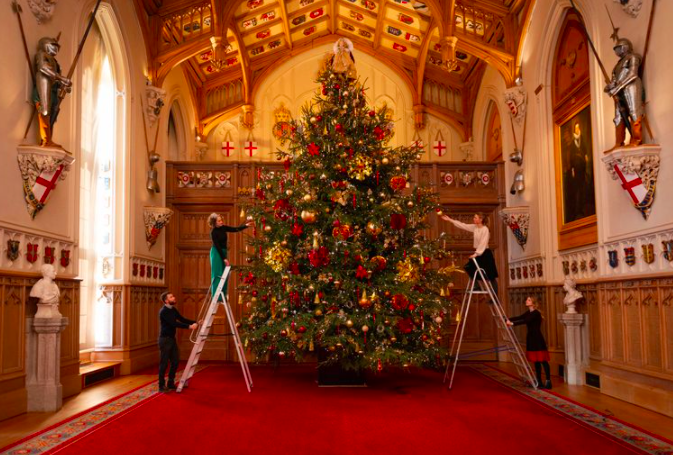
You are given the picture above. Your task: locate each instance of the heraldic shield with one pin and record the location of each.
(630, 256)
(648, 253)
(613, 259)
(667, 252)
(13, 250)
(41, 169)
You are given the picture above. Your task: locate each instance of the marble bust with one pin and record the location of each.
(47, 292)
(572, 295)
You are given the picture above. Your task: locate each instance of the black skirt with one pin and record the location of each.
(487, 262)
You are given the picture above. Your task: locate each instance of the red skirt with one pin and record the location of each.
(537, 356)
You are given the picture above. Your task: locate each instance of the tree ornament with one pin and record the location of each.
(307, 198)
(373, 229)
(385, 161)
(372, 113)
(398, 182)
(365, 328)
(278, 258)
(313, 120)
(308, 216)
(364, 302)
(349, 323)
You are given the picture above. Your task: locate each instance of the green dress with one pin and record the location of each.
(218, 253)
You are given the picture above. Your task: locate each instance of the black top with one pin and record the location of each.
(170, 320)
(534, 339)
(219, 237)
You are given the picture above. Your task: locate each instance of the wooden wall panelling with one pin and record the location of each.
(591, 306)
(12, 350)
(611, 303)
(651, 325)
(633, 326)
(666, 299)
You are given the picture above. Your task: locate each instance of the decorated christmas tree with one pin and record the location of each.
(339, 262)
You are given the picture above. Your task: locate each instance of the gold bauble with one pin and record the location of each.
(318, 312)
(410, 203)
(269, 186)
(283, 243)
(308, 216)
(267, 228)
(365, 302)
(393, 339)
(307, 198)
(331, 348)
(438, 319)
(373, 228)
(440, 213)
(385, 161)
(289, 192)
(313, 120)
(365, 328)
(339, 345)
(349, 323)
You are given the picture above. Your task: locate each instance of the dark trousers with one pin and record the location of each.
(169, 353)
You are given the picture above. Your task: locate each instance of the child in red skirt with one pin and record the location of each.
(536, 347)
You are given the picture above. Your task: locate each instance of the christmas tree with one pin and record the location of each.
(339, 261)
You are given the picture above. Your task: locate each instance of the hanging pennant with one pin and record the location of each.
(439, 145)
(227, 145)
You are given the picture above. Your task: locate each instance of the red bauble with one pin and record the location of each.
(399, 302)
(301, 329)
(318, 118)
(372, 113)
(337, 86)
(398, 182)
(426, 259)
(254, 293)
(405, 325)
(339, 128)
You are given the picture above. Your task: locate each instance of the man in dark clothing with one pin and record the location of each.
(170, 319)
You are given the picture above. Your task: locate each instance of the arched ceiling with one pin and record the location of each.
(226, 47)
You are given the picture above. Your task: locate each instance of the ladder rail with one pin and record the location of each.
(199, 336)
(513, 346)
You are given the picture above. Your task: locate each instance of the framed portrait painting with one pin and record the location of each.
(575, 190)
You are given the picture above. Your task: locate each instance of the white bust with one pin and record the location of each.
(47, 291)
(572, 295)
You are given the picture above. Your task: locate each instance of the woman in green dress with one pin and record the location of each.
(218, 252)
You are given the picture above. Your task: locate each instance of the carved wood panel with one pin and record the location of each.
(652, 327)
(632, 324)
(666, 298)
(14, 292)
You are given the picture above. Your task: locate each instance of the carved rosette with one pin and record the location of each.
(42, 9)
(41, 169)
(156, 98)
(636, 169)
(155, 219)
(518, 221)
(516, 100)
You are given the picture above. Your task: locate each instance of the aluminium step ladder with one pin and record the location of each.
(217, 299)
(506, 333)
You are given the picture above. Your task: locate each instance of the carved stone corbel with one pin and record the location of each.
(42, 9)
(419, 117)
(449, 60)
(517, 220)
(156, 98)
(248, 116)
(41, 169)
(636, 169)
(155, 219)
(516, 100)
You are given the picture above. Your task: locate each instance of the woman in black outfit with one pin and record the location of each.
(536, 346)
(218, 252)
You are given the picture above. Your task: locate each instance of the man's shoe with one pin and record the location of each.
(547, 384)
(163, 389)
(172, 387)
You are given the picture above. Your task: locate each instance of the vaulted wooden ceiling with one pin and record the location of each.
(226, 47)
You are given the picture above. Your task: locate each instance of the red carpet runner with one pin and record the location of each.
(398, 413)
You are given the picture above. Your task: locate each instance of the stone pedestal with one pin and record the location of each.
(576, 346)
(43, 363)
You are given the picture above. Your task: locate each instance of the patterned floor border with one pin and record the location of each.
(75, 427)
(633, 437)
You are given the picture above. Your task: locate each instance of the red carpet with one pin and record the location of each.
(288, 414)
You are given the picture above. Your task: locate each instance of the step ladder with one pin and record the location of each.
(200, 336)
(505, 332)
